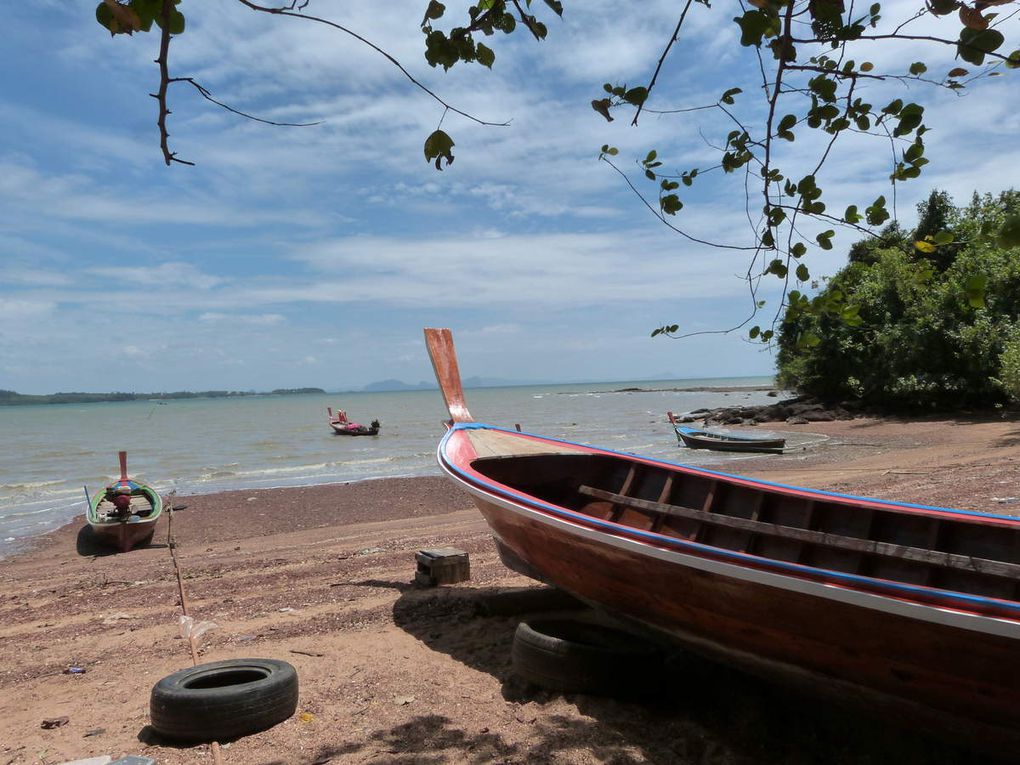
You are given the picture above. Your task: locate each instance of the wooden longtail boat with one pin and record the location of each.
(693, 438)
(909, 609)
(128, 526)
(344, 427)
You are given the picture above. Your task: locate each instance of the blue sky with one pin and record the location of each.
(314, 256)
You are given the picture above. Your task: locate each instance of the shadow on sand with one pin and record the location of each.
(705, 713)
(88, 545)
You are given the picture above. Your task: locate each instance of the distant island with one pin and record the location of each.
(11, 398)
(388, 386)
(391, 385)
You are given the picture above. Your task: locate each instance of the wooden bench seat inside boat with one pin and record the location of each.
(141, 506)
(971, 554)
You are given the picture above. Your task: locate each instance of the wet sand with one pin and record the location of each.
(392, 673)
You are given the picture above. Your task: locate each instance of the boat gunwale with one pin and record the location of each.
(708, 434)
(92, 516)
(978, 606)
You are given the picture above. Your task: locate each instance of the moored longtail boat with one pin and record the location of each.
(344, 427)
(694, 438)
(124, 513)
(903, 607)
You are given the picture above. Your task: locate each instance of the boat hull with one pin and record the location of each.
(937, 674)
(693, 440)
(943, 667)
(341, 430)
(128, 533)
(124, 536)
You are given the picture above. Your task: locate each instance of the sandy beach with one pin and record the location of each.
(394, 673)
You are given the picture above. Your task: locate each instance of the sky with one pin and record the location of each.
(294, 257)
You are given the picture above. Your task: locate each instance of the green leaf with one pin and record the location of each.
(802, 273)
(918, 68)
(727, 97)
(435, 10)
(439, 146)
(602, 107)
(974, 289)
(808, 340)
(671, 204)
(485, 55)
(636, 96)
(974, 44)
(754, 332)
(943, 237)
(798, 250)
(1009, 234)
(1013, 62)
(752, 27)
(556, 5)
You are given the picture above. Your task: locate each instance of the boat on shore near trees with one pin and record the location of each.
(909, 610)
(694, 438)
(123, 514)
(344, 427)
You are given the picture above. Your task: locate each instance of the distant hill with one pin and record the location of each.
(11, 398)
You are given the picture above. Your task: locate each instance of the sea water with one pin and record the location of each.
(50, 453)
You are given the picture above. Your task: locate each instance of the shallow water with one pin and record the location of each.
(198, 446)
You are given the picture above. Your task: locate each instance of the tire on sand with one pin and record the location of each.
(574, 656)
(223, 700)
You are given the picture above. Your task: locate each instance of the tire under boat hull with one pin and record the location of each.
(950, 680)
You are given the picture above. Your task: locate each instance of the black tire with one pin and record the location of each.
(223, 700)
(581, 657)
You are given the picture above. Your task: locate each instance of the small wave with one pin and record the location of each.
(266, 472)
(30, 486)
(368, 461)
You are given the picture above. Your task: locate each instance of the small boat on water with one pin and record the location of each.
(913, 611)
(344, 427)
(124, 513)
(694, 438)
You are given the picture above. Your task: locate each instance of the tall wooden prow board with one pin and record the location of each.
(444, 362)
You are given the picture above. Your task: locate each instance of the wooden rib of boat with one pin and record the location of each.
(344, 427)
(905, 608)
(128, 526)
(694, 438)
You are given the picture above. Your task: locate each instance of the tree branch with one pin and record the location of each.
(164, 82)
(293, 14)
(662, 58)
(208, 97)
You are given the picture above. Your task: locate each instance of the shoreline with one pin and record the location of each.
(321, 576)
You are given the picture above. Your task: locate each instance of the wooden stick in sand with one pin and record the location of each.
(172, 544)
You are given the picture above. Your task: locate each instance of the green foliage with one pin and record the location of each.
(1009, 365)
(915, 331)
(138, 16)
(439, 146)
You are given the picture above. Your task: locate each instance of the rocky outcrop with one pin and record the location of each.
(795, 411)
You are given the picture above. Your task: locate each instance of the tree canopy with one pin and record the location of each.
(923, 337)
